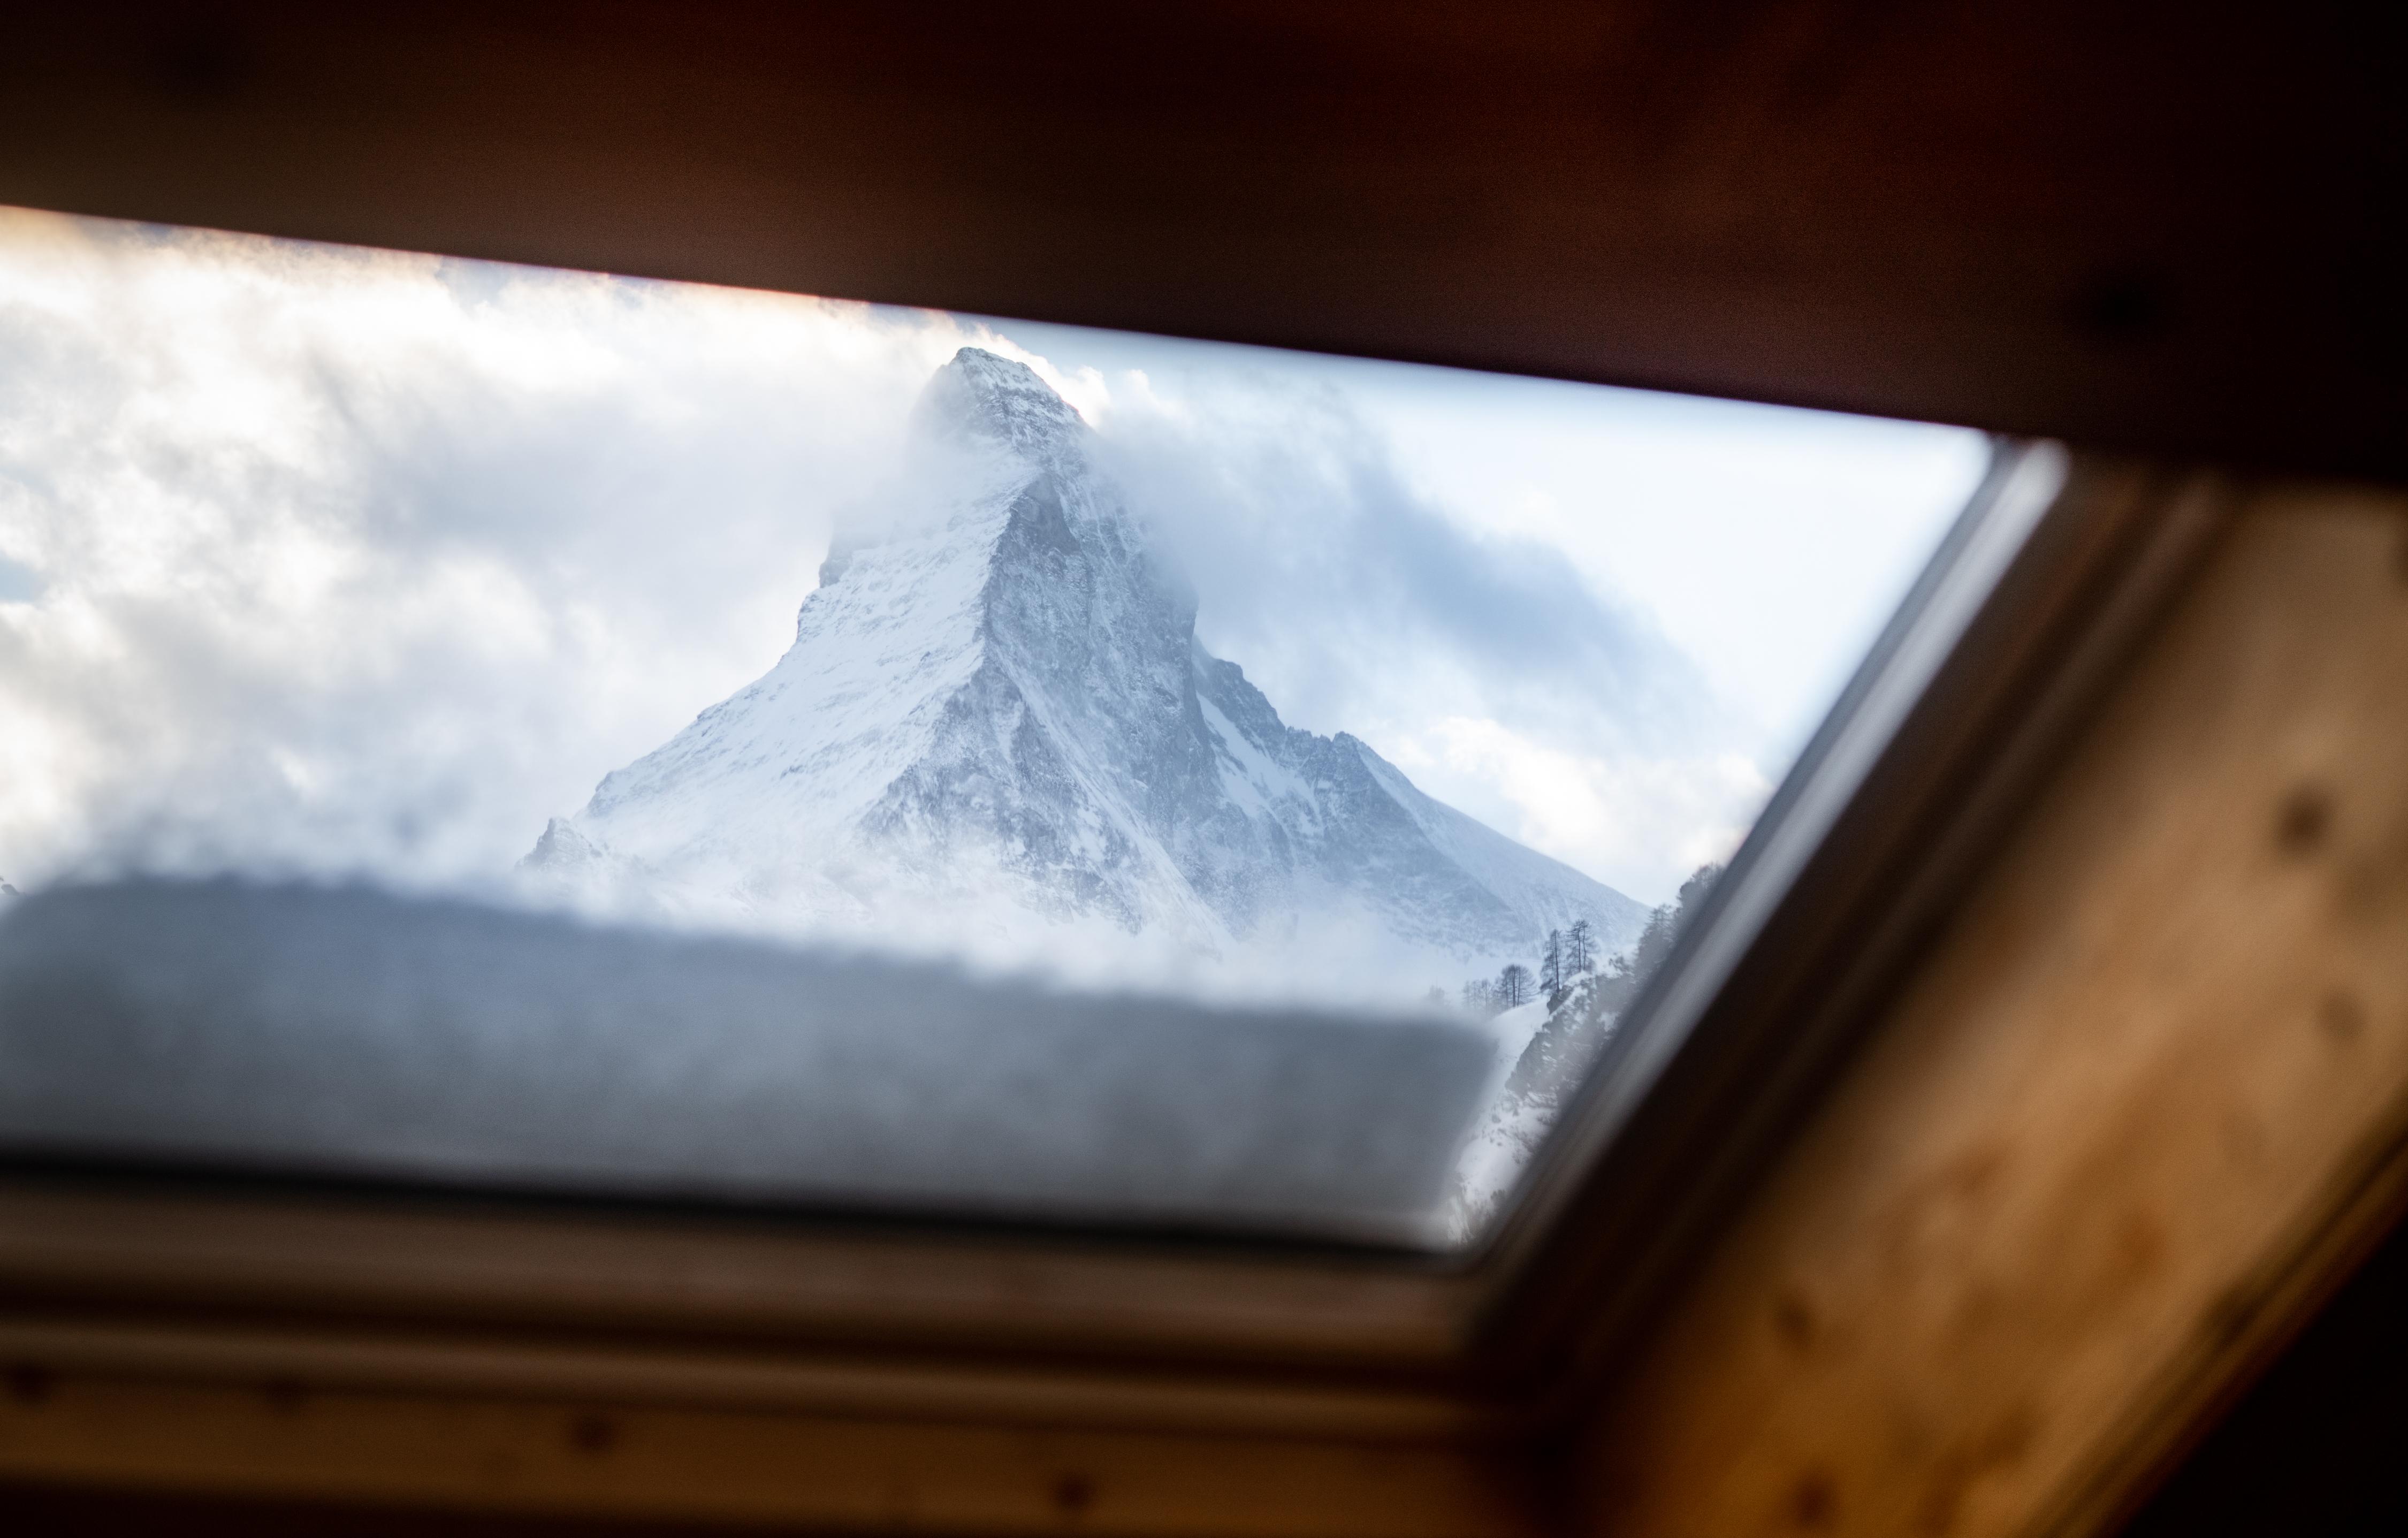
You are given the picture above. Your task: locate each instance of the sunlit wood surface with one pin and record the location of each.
(2144, 1099)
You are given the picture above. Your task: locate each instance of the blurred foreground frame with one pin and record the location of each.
(2023, 1120)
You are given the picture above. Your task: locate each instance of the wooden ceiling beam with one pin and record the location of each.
(2176, 234)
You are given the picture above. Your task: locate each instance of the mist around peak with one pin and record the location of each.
(978, 398)
(996, 734)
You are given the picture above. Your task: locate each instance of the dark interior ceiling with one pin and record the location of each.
(2171, 228)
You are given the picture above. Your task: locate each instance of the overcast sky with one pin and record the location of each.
(324, 559)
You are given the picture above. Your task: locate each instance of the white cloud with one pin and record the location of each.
(318, 550)
(1628, 820)
(1768, 544)
(354, 560)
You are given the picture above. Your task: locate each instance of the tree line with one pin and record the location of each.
(1569, 962)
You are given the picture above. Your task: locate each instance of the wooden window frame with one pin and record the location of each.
(2033, 595)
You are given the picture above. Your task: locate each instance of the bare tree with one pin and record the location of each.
(1553, 981)
(1579, 948)
(1514, 986)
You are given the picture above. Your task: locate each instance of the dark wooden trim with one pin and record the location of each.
(2055, 218)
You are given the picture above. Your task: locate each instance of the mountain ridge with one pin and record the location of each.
(996, 714)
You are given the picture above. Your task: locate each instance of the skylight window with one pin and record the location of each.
(488, 725)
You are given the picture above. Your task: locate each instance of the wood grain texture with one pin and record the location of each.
(497, 1454)
(86, 1245)
(755, 1376)
(2147, 1093)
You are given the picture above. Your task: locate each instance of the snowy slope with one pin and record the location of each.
(996, 726)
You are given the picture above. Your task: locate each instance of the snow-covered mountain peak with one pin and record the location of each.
(996, 731)
(986, 429)
(980, 398)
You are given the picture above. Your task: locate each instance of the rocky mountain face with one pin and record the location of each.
(995, 732)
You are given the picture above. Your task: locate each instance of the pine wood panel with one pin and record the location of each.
(89, 1245)
(2143, 1097)
(760, 1377)
(495, 1453)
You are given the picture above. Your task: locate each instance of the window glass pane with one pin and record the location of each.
(472, 723)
